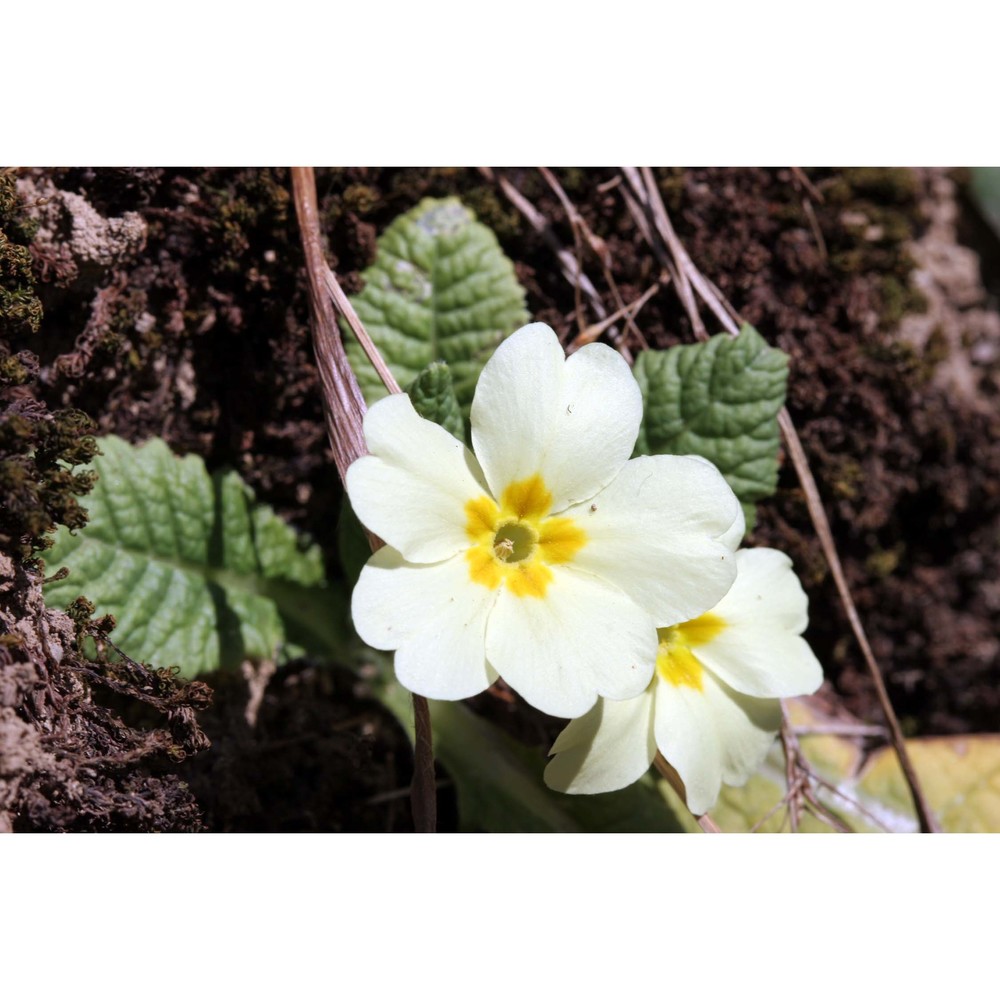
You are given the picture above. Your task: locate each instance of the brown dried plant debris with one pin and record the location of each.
(69, 762)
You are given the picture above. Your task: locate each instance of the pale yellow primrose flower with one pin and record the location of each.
(547, 558)
(712, 707)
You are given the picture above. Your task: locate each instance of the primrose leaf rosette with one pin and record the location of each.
(712, 708)
(546, 557)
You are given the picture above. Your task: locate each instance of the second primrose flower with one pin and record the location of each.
(713, 708)
(547, 557)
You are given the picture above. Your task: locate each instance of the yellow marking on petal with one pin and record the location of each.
(677, 665)
(529, 579)
(482, 515)
(527, 498)
(484, 569)
(675, 661)
(560, 538)
(699, 630)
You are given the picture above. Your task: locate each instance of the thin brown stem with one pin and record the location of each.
(592, 332)
(343, 404)
(799, 778)
(600, 250)
(344, 307)
(344, 409)
(648, 193)
(928, 821)
(423, 793)
(811, 189)
(579, 232)
(791, 777)
(707, 824)
(817, 231)
(842, 729)
(540, 224)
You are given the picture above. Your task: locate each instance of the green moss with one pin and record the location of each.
(884, 562)
(899, 298)
(361, 199)
(884, 184)
(19, 226)
(936, 349)
(893, 185)
(38, 452)
(495, 213)
(255, 205)
(851, 261)
(670, 181)
(847, 479)
(574, 180)
(868, 216)
(80, 612)
(14, 370)
(20, 307)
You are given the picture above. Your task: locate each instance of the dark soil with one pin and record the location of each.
(189, 320)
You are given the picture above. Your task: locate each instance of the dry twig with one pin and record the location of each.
(814, 192)
(583, 232)
(257, 678)
(344, 409)
(806, 773)
(571, 269)
(592, 332)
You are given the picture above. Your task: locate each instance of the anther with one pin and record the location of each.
(504, 549)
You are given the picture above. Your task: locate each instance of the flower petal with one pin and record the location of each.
(433, 616)
(713, 735)
(573, 421)
(748, 726)
(412, 490)
(655, 533)
(732, 538)
(583, 639)
(734, 535)
(759, 651)
(608, 748)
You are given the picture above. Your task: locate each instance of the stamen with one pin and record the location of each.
(504, 549)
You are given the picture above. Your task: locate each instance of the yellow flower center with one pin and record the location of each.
(676, 662)
(514, 542)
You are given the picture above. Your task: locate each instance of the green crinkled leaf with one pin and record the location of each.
(440, 289)
(499, 780)
(432, 393)
(195, 573)
(720, 400)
